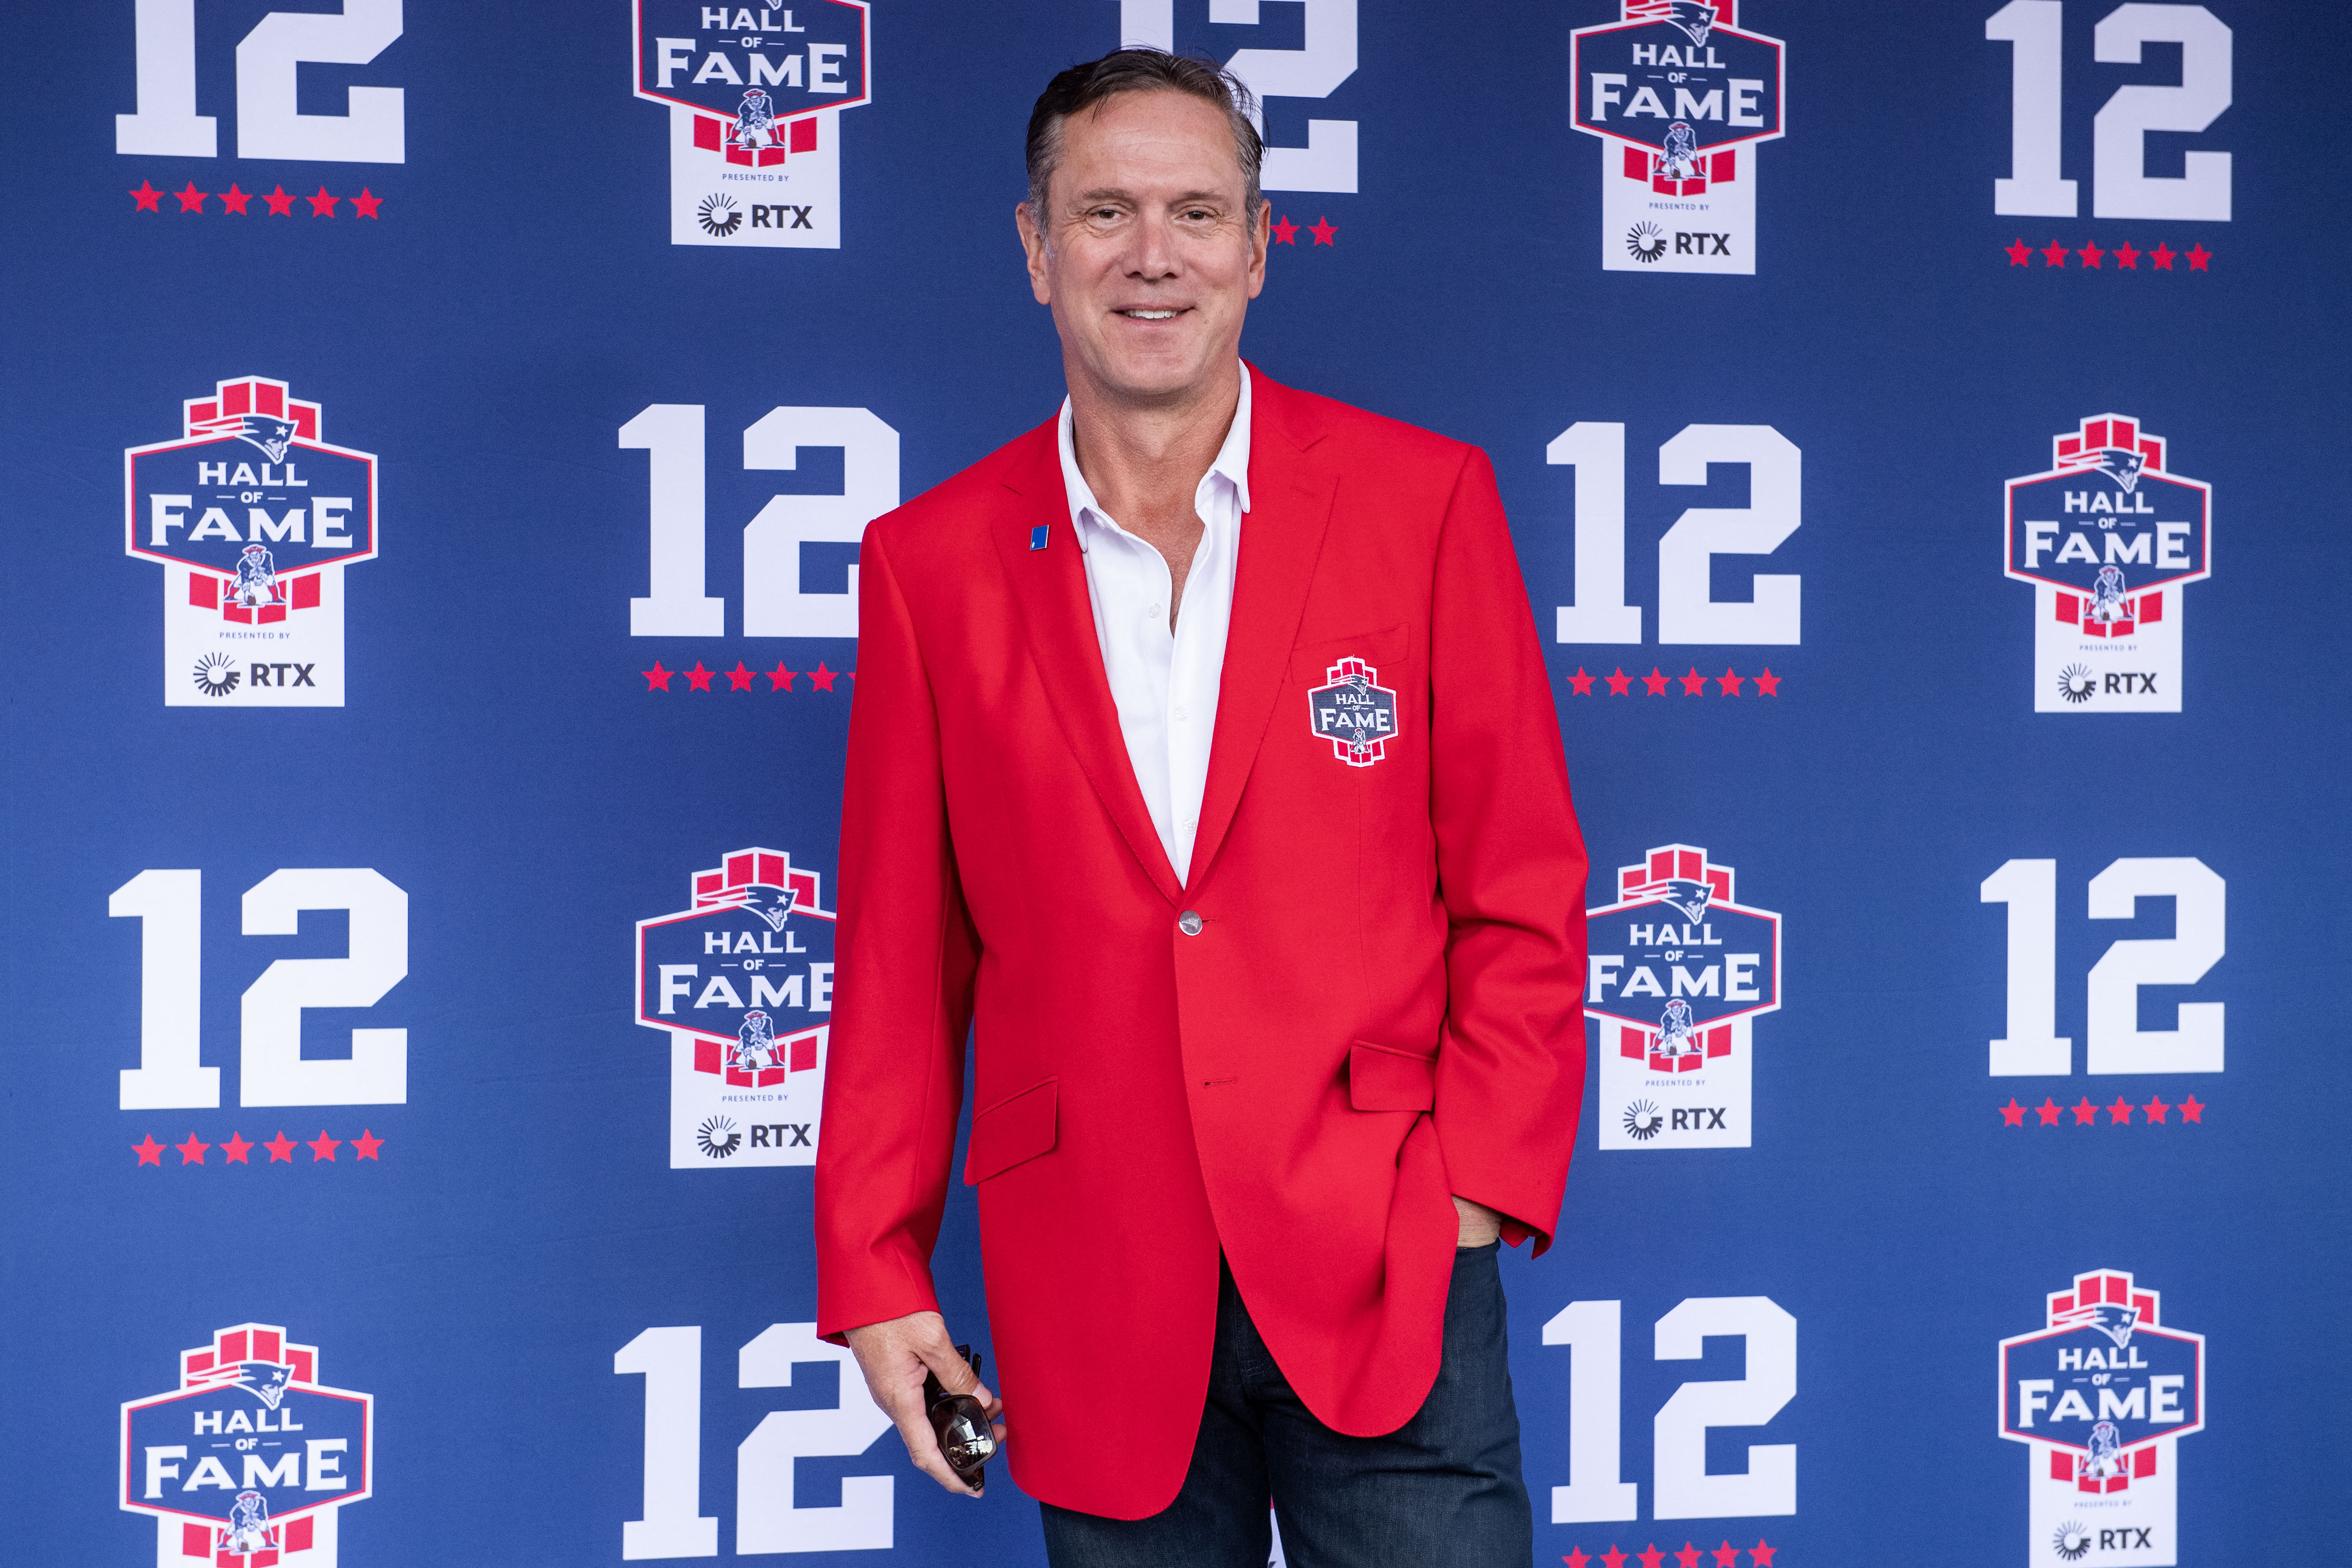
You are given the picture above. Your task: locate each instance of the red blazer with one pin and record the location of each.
(1380, 1007)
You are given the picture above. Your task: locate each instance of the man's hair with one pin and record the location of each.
(1139, 69)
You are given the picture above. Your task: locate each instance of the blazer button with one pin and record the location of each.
(1189, 922)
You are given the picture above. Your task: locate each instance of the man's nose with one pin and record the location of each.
(1152, 250)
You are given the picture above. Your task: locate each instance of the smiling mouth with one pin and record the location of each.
(1149, 315)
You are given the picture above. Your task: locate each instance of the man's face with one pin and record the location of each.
(1144, 249)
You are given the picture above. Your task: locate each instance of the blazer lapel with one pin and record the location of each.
(1282, 540)
(1050, 587)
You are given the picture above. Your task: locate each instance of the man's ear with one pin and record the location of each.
(1258, 242)
(1032, 243)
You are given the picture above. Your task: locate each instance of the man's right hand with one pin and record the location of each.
(894, 1356)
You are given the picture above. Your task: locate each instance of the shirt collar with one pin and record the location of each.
(1231, 463)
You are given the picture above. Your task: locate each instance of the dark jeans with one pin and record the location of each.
(1443, 1490)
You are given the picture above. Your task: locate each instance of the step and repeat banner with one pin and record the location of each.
(439, 437)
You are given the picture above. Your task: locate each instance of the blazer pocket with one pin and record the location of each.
(1384, 650)
(1382, 1078)
(1017, 1128)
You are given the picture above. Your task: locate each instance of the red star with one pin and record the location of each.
(280, 203)
(233, 200)
(2162, 254)
(1762, 1553)
(146, 195)
(2018, 252)
(822, 678)
(235, 1151)
(739, 678)
(1655, 681)
(2192, 1110)
(1285, 231)
(2156, 1107)
(1730, 682)
(1576, 1557)
(2125, 256)
(366, 1145)
(2119, 1112)
(1612, 1556)
(1323, 231)
(192, 200)
(1694, 683)
(1767, 683)
(280, 1148)
(1688, 1556)
(779, 679)
(2012, 1114)
(1726, 1555)
(1620, 683)
(2091, 254)
(699, 678)
(2084, 1113)
(2053, 254)
(1652, 1557)
(324, 1147)
(1580, 682)
(657, 678)
(191, 1153)
(2197, 257)
(150, 1152)
(365, 203)
(2050, 1110)
(323, 205)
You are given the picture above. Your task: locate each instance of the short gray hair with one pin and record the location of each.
(1140, 70)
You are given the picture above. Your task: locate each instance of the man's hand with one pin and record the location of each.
(894, 1356)
(1480, 1226)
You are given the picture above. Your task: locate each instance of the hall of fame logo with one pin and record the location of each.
(2102, 1394)
(250, 1460)
(253, 517)
(755, 95)
(1353, 711)
(1680, 97)
(1677, 973)
(2110, 538)
(743, 982)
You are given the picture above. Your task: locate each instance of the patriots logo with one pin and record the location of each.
(772, 905)
(1695, 17)
(1689, 897)
(2122, 467)
(272, 436)
(2115, 1322)
(265, 1380)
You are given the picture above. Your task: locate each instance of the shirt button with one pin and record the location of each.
(1189, 922)
(1181, 717)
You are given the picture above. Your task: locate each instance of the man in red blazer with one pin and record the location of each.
(1205, 758)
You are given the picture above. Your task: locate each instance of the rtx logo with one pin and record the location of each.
(1702, 244)
(1699, 1118)
(781, 215)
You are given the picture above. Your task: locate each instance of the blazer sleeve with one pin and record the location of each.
(1511, 870)
(906, 954)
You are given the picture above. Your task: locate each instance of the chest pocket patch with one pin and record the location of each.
(1353, 711)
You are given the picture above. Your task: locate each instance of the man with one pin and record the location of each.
(1205, 758)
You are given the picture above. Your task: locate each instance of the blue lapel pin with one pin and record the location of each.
(1037, 535)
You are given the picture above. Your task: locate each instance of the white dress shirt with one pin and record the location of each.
(1165, 684)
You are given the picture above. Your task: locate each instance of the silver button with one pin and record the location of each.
(1182, 717)
(1189, 922)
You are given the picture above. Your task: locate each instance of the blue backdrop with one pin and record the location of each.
(2040, 863)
